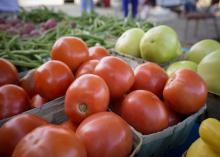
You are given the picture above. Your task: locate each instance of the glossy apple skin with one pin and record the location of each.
(209, 70)
(129, 42)
(199, 50)
(159, 44)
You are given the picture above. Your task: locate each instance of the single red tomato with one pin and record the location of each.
(88, 94)
(70, 50)
(37, 101)
(150, 76)
(97, 52)
(28, 83)
(15, 129)
(69, 125)
(50, 141)
(87, 67)
(174, 117)
(185, 91)
(52, 79)
(144, 111)
(105, 134)
(13, 100)
(118, 75)
(8, 73)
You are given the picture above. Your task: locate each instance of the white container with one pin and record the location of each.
(29, 3)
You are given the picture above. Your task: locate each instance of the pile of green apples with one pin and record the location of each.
(161, 45)
(204, 58)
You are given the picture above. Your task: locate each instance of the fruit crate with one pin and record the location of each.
(156, 144)
(152, 145)
(213, 106)
(53, 112)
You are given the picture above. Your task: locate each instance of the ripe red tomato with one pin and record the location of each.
(15, 129)
(185, 91)
(70, 50)
(28, 83)
(150, 76)
(87, 67)
(88, 94)
(97, 52)
(49, 141)
(105, 134)
(144, 111)
(174, 117)
(69, 125)
(118, 75)
(13, 100)
(37, 101)
(8, 73)
(52, 79)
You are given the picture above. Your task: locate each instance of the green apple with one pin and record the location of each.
(181, 65)
(129, 42)
(209, 70)
(159, 44)
(201, 49)
(179, 51)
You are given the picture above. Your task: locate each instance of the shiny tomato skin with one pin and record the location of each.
(52, 79)
(88, 94)
(50, 141)
(28, 83)
(69, 125)
(71, 50)
(118, 75)
(150, 76)
(8, 73)
(87, 67)
(13, 100)
(97, 52)
(15, 129)
(37, 101)
(185, 92)
(105, 134)
(144, 111)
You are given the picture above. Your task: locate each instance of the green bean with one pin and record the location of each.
(25, 64)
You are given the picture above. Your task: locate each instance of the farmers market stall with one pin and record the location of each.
(103, 86)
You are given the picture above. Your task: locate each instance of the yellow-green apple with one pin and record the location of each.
(129, 42)
(199, 50)
(209, 70)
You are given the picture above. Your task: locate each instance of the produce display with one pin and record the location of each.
(105, 98)
(27, 41)
(89, 96)
(208, 144)
(160, 44)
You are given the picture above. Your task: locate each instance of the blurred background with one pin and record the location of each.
(192, 19)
